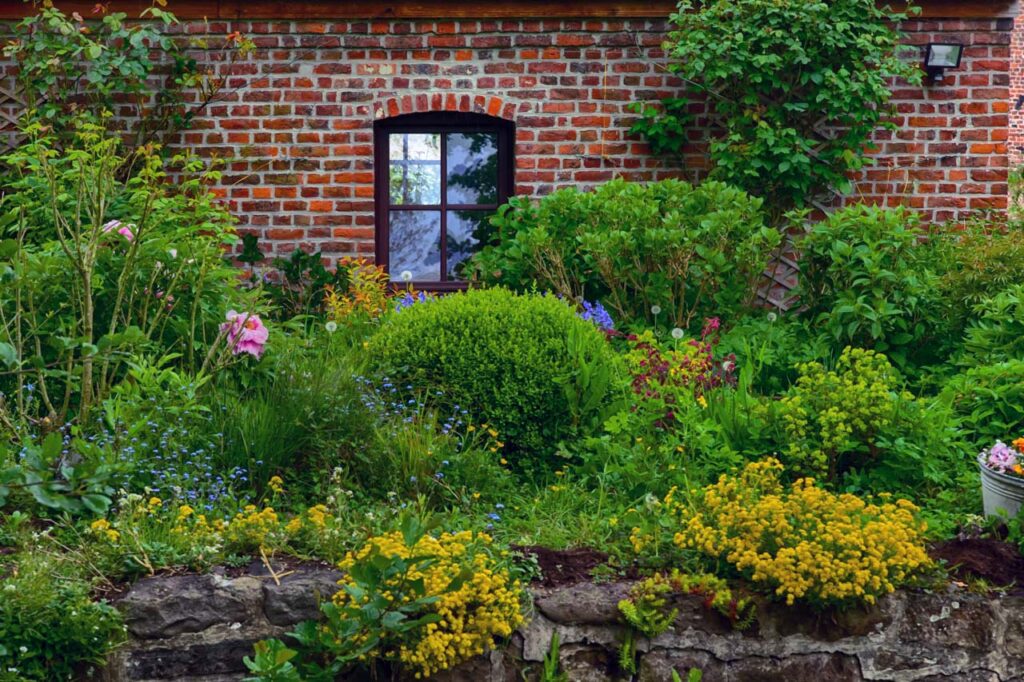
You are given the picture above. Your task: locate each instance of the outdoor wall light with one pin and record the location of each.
(942, 56)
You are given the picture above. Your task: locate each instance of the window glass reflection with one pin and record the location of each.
(415, 245)
(472, 168)
(415, 168)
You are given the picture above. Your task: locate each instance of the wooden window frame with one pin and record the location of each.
(443, 123)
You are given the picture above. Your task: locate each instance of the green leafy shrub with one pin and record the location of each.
(996, 333)
(49, 627)
(101, 268)
(796, 89)
(856, 424)
(988, 399)
(688, 252)
(770, 343)
(865, 282)
(527, 365)
(975, 264)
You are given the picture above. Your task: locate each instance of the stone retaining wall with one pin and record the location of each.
(198, 627)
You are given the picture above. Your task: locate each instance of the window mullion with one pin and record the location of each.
(444, 207)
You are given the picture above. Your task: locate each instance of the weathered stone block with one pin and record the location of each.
(298, 596)
(583, 604)
(944, 621)
(162, 606)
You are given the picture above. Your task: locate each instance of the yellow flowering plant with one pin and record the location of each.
(804, 543)
(830, 419)
(411, 600)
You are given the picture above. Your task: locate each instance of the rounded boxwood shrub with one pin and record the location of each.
(526, 365)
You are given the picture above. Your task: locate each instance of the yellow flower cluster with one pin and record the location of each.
(805, 543)
(827, 413)
(102, 528)
(315, 519)
(188, 522)
(367, 291)
(476, 601)
(251, 526)
(276, 484)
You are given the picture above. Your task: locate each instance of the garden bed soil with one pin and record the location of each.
(999, 563)
(559, 567)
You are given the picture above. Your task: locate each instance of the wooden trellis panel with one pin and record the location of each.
(12, 105)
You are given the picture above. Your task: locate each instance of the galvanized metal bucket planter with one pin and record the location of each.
(1001, 493)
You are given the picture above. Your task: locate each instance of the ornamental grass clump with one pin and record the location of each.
(804, 543)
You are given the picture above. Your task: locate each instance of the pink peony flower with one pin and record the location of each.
(245, 333)
(122, 229)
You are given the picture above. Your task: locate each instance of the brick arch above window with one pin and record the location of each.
(463, 102)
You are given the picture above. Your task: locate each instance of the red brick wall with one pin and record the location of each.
(296, 119)
(301, 114)
(948, 157)
(1016, 100)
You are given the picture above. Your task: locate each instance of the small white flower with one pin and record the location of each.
(23, 649)
(174, 253)
(677, 333)
(331, 327)
(655, 309)
(772, 317)
(406, 275)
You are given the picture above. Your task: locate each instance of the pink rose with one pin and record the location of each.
(245, 333)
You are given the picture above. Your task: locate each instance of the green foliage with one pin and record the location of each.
(975, 264)
(305, 282)
(49, 627)
(83, 293)
(692, 251)
(857, 425)
(419, 456)
(272, 663)
(996, 333)
(663, 126)
(75, 477)
(794, 88)
(68, 65)
(299, 416)
(830, 415)
(551, 672)
(507, 360)
(865, 282)
(988, 399)
(768, 344)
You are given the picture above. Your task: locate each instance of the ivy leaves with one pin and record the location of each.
(794, 90)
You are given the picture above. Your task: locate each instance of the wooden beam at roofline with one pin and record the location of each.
(459, 9)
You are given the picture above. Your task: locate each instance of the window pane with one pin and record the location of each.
(415, 245)
(467, 230)
(415, 168)
(472, 168)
